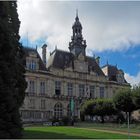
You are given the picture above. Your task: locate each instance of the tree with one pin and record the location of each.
(123, 101)
(12, 79)
(99, 107)
(87, 107)
(136, 96)
(104, 107)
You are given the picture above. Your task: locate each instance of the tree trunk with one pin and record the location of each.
(126, 117)
(130, 117)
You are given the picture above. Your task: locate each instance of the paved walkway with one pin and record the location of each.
(112, 131)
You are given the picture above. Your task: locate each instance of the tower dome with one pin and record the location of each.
(77, 45)
(77, 23)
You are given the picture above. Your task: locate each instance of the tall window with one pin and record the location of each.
(58, 110)
(31, 64)
(25, 114)
(32, 103)
(31, 87)
(120, 78)
(57, 87)
(92, 91)
(81, 90)
(43, 104)
(37, 114)
(101, 92)
(42, 88)
(70, 89)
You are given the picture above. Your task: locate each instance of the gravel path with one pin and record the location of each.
(112, 131)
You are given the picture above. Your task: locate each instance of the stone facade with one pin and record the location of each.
(67, 77)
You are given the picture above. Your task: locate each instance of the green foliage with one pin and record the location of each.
(136, 96)
(12, 80)
(87, 108)
(99, 107)
(54, 119)
(123, 101)
(66, 120)
(105, 107)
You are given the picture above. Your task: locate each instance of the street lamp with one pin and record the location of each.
(128, 125)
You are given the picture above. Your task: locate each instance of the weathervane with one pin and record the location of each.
(76, 12)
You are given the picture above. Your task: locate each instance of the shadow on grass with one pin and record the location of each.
(32, 134)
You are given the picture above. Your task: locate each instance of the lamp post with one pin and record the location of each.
(128, 125)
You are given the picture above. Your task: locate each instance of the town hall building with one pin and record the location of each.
(66, 77)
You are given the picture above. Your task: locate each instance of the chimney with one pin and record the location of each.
(44, 54)
(98, 60)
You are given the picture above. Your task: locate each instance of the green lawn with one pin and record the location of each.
(59, 132)
(134, 128)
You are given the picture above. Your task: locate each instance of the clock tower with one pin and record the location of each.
(77, 45)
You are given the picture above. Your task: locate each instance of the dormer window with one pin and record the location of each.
(32, 63)
(120, 78)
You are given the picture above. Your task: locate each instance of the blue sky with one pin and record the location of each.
(111, 29)
(128, 60)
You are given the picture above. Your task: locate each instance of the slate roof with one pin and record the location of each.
(62, 59)
(94, 66)
(112, 72)
(28, 50)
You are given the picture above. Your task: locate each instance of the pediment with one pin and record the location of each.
(81, 57)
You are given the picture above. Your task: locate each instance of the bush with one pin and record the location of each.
(54, 120)
(120, 118)
(66, 120)
(98, 107)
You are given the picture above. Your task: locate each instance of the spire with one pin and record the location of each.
(77, 44)
(77, 23)
(76, 12)
(77, 18)
(107, 62)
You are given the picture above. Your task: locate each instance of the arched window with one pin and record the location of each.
(58, 110)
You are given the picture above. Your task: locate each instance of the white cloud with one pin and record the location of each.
(106, 25)
(133, 80)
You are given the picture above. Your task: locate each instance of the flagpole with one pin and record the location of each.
(72, 110)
